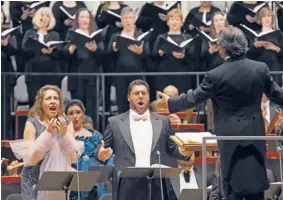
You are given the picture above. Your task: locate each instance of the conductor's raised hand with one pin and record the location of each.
(104, 153)
(91, 46)
(164, 98)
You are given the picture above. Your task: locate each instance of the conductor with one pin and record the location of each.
(236, 88)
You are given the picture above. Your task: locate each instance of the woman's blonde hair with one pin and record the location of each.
(213, 32)
(36, 110)
(263, 12)
(37, 17)
(175, 12)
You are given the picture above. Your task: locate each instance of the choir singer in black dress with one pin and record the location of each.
(175, 61)
(127, 60)
(269, 47)
(236, 89)
(84, 59)
(44, 60)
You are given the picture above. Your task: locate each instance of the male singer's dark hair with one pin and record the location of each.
(234, 41)
(92, 26)
(138, 82)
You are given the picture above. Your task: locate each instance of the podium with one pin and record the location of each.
(150, 173)
(195, 194)
(67, 181)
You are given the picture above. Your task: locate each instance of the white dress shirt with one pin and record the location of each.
(141, 132)
(192, 184)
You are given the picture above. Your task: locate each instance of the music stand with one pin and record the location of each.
(150, 173)
(106, 173)
(67, 181)
(195, 194)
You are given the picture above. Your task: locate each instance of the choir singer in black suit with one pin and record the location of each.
(236, 88)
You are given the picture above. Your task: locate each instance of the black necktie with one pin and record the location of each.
(187, 176)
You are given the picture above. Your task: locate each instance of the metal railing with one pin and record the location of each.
(204, 167)
(100, 84)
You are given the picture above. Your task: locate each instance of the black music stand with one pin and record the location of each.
(67, 181)
(150, 173)
(106, 173)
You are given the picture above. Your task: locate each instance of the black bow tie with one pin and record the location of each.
(187, 176)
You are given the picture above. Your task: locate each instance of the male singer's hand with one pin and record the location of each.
(104, 154)
(51, 127)
(61, 125)
(114, 47)
(68, 22)
(91, 46)
(163, 17)
(4, 42)
(251, 19)
(47, 51)
(178, 55)
(184, 152)
(136, 49)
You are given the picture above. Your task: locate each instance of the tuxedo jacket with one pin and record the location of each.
(236, 88)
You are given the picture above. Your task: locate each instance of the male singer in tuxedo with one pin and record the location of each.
(236, 88)
(135, 137)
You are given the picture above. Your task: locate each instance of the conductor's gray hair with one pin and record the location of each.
(233, 41)
(127, 10)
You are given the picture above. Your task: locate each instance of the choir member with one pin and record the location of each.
(8, 49)
(129, 60)
(239, 14)
(20, 14)
(84, 60)
(210, 51)
(201, 18)
(63, 22)
(280, 16)
(268, 48)
(45, 59)
(159, 26)
(182, 61)
(115, 27)
(201, 13)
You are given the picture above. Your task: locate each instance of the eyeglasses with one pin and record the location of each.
(136, 93)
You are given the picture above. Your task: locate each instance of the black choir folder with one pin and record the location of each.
(71, 16)
(123, 42)
(80, 39)
(206, 36)
(280, 5)
(253, 34)
(248, 11)
(110, 17)
(33, 43)
(10, 32)
(168, 45)
(197, 21)
(152, 11)
(35, 5)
